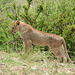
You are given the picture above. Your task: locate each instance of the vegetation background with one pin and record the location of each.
(50, 16)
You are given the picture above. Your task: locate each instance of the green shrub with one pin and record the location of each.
(51, 16)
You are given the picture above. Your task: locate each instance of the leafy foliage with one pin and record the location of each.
(51, 16)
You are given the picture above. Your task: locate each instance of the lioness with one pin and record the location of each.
(32, 36)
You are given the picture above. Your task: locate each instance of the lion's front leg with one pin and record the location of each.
(27, 45)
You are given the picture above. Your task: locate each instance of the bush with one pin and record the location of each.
(51, 16)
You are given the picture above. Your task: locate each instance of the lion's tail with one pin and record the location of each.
(64, 44)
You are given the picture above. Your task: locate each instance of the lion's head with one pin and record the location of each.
(15, 26)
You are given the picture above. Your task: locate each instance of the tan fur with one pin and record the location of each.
(32, 36)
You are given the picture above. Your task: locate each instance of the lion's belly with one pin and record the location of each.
(39, 39)
(39, 43)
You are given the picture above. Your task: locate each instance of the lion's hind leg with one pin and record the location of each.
(56, 52)
(64, 59)
(58, 56)
(64, 56)
(63, 53)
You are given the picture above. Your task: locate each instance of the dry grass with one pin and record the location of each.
(22, 2)
(35, 63)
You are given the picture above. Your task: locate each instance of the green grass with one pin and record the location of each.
(36, 63)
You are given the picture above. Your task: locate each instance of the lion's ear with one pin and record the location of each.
(17, 22)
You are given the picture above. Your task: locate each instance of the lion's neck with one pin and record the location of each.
(21, 27)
